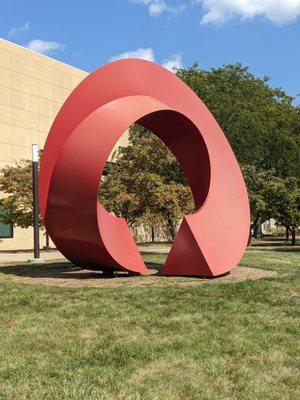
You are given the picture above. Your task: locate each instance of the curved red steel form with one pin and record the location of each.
(209, 242)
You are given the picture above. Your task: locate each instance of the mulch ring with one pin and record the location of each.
(67, 275)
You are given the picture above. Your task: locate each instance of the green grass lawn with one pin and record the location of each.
(211, 341)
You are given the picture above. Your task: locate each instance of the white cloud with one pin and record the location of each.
(279, 12)
(173, 63)
(44, 47)
(16, 30)
(144, 54)
(157, 7)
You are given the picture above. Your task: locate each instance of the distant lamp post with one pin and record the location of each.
(35, 200)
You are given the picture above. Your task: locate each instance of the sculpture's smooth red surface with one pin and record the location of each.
(210, 241)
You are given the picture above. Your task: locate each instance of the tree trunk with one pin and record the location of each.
(293, 230)
(256, 229)
(287, 233)
(171, 229)
(152, 234)
(250, 236)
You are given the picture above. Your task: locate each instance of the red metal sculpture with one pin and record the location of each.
(210, 241)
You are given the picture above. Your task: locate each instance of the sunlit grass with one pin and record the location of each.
(212, 341)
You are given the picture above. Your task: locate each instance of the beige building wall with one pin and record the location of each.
(33, 87)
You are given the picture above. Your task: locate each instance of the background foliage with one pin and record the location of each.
(262, 125)
(146, 184)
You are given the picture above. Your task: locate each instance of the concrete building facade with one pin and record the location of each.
(33, 87)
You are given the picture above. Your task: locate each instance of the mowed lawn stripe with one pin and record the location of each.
(212, 341)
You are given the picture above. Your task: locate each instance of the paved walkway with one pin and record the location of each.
(16, 256)
(25, 256)
(155, 249)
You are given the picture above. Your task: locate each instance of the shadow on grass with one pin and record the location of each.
(66, 270)
(288, 249)
(273, 244)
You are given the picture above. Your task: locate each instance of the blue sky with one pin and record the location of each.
(262, 34)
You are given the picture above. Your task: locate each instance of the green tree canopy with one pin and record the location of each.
(260, 122)
(283, 199)
(16, 185)
(273, 197)
(146, 183)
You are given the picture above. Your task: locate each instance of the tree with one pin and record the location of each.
(172, 201)
(117, 197)
(284, 203)
(149, 182)
(272, 197)
(258, 185)
(260, 122)
(16, 184)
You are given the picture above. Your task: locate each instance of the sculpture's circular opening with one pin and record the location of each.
(185, 142)
(144, 183)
